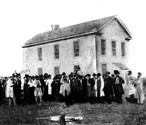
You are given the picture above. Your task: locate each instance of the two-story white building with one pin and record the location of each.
(96, 46)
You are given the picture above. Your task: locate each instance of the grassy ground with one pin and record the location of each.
(93, 114)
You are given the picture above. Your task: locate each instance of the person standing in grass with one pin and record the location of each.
(139, 88)
(55, 88)
(99, 88)
(9, 91)
(38, 90)
(118, 89)
(31, 90)
(108, 87)
(65, 90)
(130, 85)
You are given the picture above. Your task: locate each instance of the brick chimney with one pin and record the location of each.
(55, 27)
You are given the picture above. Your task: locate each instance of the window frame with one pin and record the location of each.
(103, 47)
(114, 52)
(40, 51)
(40, 71)
(76, 68)
(104, 70)
(56, 51)
(123, 49)
(56, 70)
(76, 48)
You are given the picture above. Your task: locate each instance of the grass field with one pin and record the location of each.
(93, 114)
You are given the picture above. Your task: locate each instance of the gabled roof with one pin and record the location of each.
(73, 31)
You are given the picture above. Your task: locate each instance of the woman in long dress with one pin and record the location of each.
(130, 85)
(10, 91)
(139, 89)
(38, 91)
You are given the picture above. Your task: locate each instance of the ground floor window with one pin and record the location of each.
(40, 71)
(56, 71)
(76, 68)
(104, 68)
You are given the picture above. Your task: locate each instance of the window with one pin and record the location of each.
(114, 48)
(103, 47)
(56, 70)
(76, 48)
(56, 51)
(104, 68)
(40, 53)
(123, 49)
(40, 71)
(76, 67)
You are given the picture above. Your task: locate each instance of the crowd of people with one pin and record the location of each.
(72, 88)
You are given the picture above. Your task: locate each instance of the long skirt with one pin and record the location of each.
(140, 95)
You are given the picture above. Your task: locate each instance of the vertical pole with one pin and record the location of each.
(96, 52)
(62, 119)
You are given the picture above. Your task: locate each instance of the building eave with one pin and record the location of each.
(125, 28)
(122, 24)
(58, 39)
(96, 31)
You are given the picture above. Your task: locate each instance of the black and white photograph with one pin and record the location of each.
(72, 62)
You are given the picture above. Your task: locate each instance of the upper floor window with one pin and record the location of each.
(114, 48)
(123, 49)
(40, 53)
(76, 48)
(56, 51)
(103, 47)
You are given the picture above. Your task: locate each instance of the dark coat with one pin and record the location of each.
(118, 88)
(84, 87)
(92, 82)
(75, 89)
(108, 84)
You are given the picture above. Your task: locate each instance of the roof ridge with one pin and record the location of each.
(72, 30)
(81, 23)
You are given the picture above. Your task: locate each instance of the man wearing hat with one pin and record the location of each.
(108, 87)
(89, 87)
(93, 87)
(99, 88)
(118, 89)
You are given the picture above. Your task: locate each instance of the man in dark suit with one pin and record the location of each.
(108, 87)
(118, 88)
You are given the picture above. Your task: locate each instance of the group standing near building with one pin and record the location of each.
(72, 88)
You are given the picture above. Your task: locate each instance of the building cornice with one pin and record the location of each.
(58, 39)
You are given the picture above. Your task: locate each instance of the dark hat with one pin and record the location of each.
(116, 72)
(80, 76)
(37, 77)
(98, 74)
(88, 75)
(139, 73)
(93, 74)
(46, 74)
(130, 72)
(26, 75)
(112, 75)
(49, 75)
(63, 73)
(107, 72)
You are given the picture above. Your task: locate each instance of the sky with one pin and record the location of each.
(20, 20)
